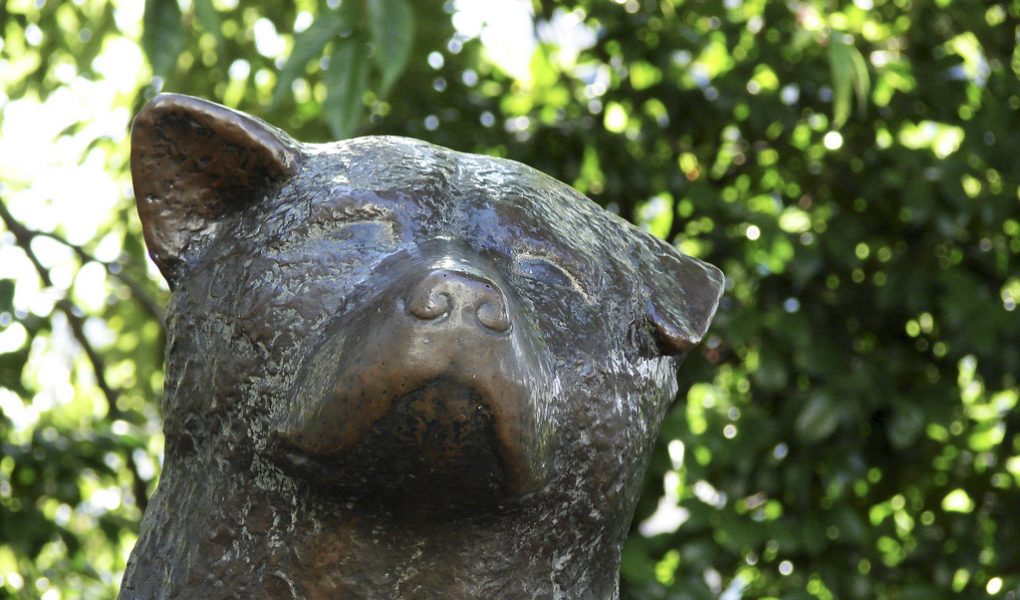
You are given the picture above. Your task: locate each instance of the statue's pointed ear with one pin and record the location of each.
(683, 294)
(193, 162)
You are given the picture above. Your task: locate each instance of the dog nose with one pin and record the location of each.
(442, 292)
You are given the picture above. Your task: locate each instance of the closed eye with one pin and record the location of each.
(356, 227)
(547, 270)
(348, 212)
(345, 220)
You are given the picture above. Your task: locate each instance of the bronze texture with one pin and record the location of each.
(395, 370)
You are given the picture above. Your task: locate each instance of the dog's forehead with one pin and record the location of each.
(388, 163)
(466, 191)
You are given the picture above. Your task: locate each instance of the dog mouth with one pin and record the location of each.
(434, 450)
(442, 436)
(406, 413)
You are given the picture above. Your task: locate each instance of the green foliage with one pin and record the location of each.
(849, 72)
(391, 24)
(309, 44)
(163, 33)
(390, 35)
(346, 81)
(848, 429)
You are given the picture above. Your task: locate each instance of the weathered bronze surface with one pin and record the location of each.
(395, 370)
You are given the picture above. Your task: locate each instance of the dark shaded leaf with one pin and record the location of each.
(346, 81)
(391, 23)
(308, 44)
(6, 295)
(906, 425)
(849, 77)
(818, 419)
(210, 19)
(162, 35)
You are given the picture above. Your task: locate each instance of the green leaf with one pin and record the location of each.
(842, 75)
(162, 35)
(812, 534)
(308, 45)
(862, 81)
(636, 564)
(346, 80)
(818, 419)
(921, 591)
(851, 526)
(905, 426)
(655, 215)
(210, 21)
(849, 77)
(771, 373)
(391, 23)
(6, 295)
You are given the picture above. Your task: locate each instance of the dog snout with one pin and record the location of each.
(444, 293)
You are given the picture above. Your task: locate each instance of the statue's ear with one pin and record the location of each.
(683, 294)
(193, 162)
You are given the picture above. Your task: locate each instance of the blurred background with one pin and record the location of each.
(847, 430)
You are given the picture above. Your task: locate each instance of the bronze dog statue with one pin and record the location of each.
(395, 370)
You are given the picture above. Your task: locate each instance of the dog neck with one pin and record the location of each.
(255, 533)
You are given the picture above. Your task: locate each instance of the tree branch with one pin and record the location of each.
(23, 237)
(147, 302)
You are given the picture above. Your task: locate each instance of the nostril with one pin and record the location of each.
(471, 299)
(430, 304)
(492, 315)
